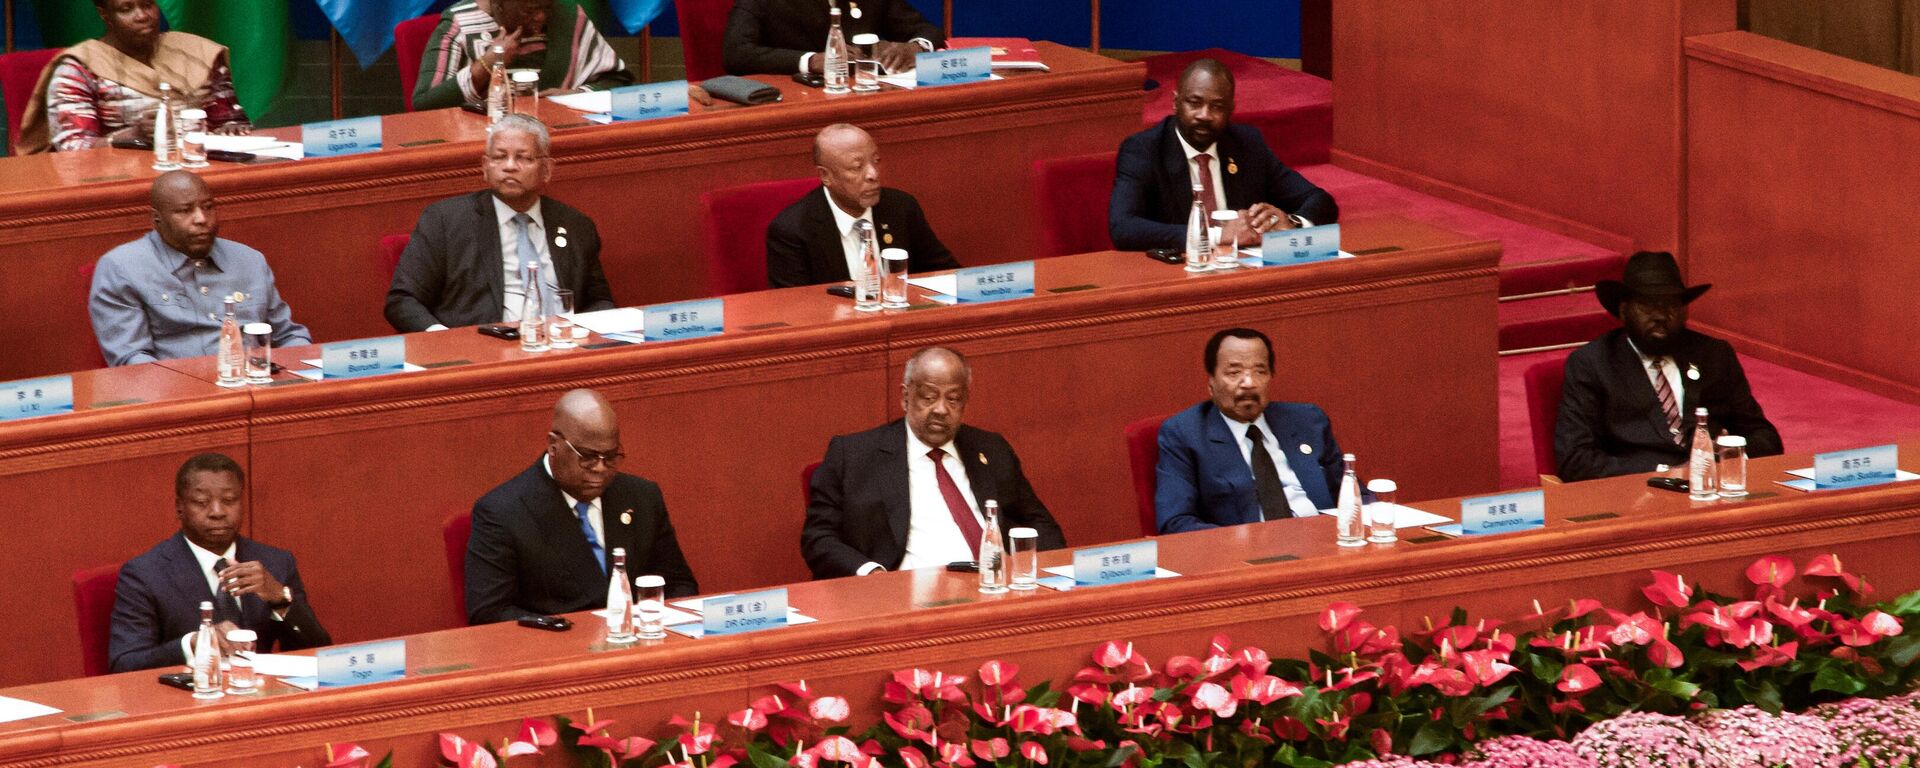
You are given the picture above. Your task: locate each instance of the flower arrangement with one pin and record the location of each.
(1801, 672)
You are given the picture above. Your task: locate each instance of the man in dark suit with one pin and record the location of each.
(1157, 168)
(814, 240)
(1237, 458)
(156, 605)
(543, 541)
(909, 494)
(463, 265)
(1628, 401)
(780, 37)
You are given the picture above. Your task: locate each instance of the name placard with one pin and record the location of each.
(685, 320)
(964, 65)
(1505, 513)
(1857, 467)
(366, 357)
(649, 101)
(362, 664)
(1114, 564)
(333, 138)
(1300, 246)
(998, 282)
(28, 398)
(734, 614)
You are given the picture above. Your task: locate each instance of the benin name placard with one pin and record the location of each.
(649, 101)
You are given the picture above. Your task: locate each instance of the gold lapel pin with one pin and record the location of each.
(887, 238)
(983, 457)
(1232, 167)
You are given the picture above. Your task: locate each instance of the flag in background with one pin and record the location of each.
(257, 34)
(634, 14)
(65, 22)
(367, 25)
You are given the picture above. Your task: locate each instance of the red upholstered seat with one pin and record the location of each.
(806, 485)
(703, 33)
(1143, 453)
(736, 226)
(85, 273)
(93, 604)
(1071, 197)
(1543, 382)
(409, 46)
(1294, 110)
(19, 73)
(391, 247)
(454, 533)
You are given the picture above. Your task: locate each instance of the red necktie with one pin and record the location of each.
(1204, 161)
(956, 504)
(1663, 392)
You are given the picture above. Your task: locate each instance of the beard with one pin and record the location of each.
(1653, 347)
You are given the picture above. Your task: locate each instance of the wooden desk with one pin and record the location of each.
(964, 151)
(1261, 584)
(357, 476)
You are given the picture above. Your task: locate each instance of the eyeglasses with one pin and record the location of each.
(592, 460)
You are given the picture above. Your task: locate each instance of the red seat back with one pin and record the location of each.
(391, 247)
(455, 532)
(736, 226)
(93, 604)
(1071, 197)
(806, 485)
(1143, 453)
(19, 73)
(85, 273)
(409, 46)
(703, 33)
(1543, 382)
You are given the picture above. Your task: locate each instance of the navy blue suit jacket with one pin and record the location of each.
(159, 595)
(1153, 190)
(1202, 481)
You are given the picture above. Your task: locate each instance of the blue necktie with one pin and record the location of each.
(524, 224)
(584, 509)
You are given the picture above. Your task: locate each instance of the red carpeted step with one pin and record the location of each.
(1293, 110)
(1552, 320)
(1518, 279)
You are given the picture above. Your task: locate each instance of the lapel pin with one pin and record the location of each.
(853, 9)
(887, 238)
(1232, 167)
(1693, 372)
(626, 518)
(983, 457)
(1306, 449)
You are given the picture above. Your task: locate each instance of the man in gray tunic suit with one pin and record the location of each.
(161, 297)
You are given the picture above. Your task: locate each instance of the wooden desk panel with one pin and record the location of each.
(484, 679)
(964, 151)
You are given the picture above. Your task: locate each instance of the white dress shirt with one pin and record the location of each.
(1667, 368)
(850, 239)
(933, 538)
(594, 516)
(1219, 182)
(515, 293)
(206, 559)
(1297, 500)
(807, 58)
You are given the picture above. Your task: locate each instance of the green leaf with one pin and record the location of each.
(385, 762)
(1433, 737)
(760, 758)
(1119, 756)
(1165, 694)
(1904, 605)
(1677, 687)
(1477, 706)
(1903, 650)
(1833, 678)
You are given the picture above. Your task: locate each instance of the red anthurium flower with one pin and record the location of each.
(1220, 645)
(1083, 744)
(955, 753)
(1638, 629)
(1216, 699)
(1829, 566)
(1790, 614)
(698, 738)
(1032, 750)
(914, 758)
(1743, 610)
(1217, 665)
(839, 749)
(1562, 707)
(1881, 624)
(1088, 692)
(804, 759)
(1456, 637)
(1133, 696)
(1291, 729)
(1582, 607)
(832, 709)
(1113, 654)
(801, 690)
(1485, 667)
(1381, 741)
(1349, 677)
(1771, 571)
(1665, 653)
(1337, 615)
(1668, 589)
(1577, 679)
(998, 673)
(749, 718)
(346, 755)
(1265, 689)
(1771, 656)
(1717, 620)
(539, 733)
(456, 750)
(1253, 661)
(1449, 681)
(991, 749)
(911, 722)
(1183, 667)
(1853, 633)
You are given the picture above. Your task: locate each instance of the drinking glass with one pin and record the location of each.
(1733, 466)
(192, 125)
(866, 75)
(1226, 239)
(560, 323)
(240, 677)
(1025, 551)
(649, 597)
(1380, 513)
(893, 287)
(524, 96)
(259, 338)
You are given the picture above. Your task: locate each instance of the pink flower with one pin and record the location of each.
(991, 749)
(1337, 615)
(914, 758)
(1213, 698)
(1578, 679)
(1113, 654)
(1253, 661)
(1265, 689)
(1032, 750)
(749, 718)
(1771, 656)
(1638, 629)
(832, 709)
(998, 673)
(1485, 667)
(343, 756)
(1668, 589)
(1829, 566)
(1771, 571)
(1665, 653)
(466, 754)
(1881, 624)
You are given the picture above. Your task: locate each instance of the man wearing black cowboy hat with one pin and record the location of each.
(1628, 401)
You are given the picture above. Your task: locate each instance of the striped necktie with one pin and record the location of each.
(1663, 392)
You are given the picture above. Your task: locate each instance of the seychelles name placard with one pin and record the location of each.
(1300, 246)
(362, 664)
(334, 138)
(366, 357)
(685, 320)
(1857, 467)
(649, 101)
(1115, 564)
(1505, 513)
(998, 282)
(744, 613)
(28, 398)
(963, 65)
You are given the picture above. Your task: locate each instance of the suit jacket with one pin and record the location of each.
(527, 555)
(1202, 482)
(861, 507)
(1153, 189)
(452, 271)
(803, 242)
(1610, 421)
(767, 37)
(157, 601)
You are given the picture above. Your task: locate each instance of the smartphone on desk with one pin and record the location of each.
(810, 79)
(180, 680)
(548, 623)
(506, 332)
(1674, 484)
(842, 291)
(1166, 255)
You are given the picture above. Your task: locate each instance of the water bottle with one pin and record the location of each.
(1702, 481)
(619, 601)
(1199, 245)
(533, 312)
(166, 145)
(866, 286)
(232, 357)
(835, 69)
(499, 91)
(1351, 522)
(993, 551)
(206, 657)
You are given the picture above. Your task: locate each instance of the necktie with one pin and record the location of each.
(956, 504)
(523, 224)
(1266, 479)
(1663, 392)
(584, 509)
(229, 606)
(1204, 162)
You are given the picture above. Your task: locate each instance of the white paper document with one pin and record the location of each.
(590, 101)
(945, 285)
(258, 145)
(607, 322)
(667, 615)
(21, 709)
(1408, 517)
(286, 665)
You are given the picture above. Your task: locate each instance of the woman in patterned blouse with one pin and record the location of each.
(107, 89)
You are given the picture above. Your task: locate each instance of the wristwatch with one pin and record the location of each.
(286, 598)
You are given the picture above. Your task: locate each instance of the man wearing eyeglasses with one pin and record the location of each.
(464, 263)
(543, 542)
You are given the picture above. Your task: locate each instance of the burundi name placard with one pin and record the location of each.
(1300, 246)
(685, 320)
(998, 282)
(964, 65)
(366, 357)
(1856, 467)
(744, 613)
(1505, 513)
(362, 664)
(36, 397)
(649, 101)
(341, 137)
(1115, 564)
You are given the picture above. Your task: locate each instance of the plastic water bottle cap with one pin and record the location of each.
(206, 605)
(894, 254)
(1225, 215)
(1346, 456)
(866, 38)
(1024, 533)
(649, 581)
(193, 114)
(524, 76)
(258, 329)
(1383, 485)
(241, 636)
(1731, 441)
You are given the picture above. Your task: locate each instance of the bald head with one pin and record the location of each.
(183, 213)
(175, 185)
(849, 163)
(934, 394)
(584, 412)
(583, 448)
